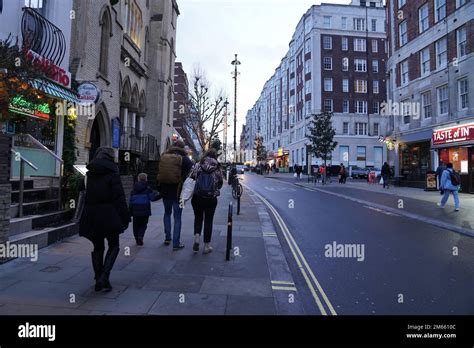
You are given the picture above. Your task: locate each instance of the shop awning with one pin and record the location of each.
(55, 91)
(418, 136)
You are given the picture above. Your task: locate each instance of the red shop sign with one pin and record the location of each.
(454, 134)
(52, 71)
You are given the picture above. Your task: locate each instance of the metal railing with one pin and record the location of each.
(22, 160)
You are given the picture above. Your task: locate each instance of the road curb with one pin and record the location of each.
(285, 293)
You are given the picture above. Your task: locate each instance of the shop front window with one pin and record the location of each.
(415, 161)
(458, 156)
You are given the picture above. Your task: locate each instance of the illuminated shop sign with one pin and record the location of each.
(50, 69)
(20, 105)
(455, 134)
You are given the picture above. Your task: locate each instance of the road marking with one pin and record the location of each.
(282, 282)
(380, 211)
(284, 288)
(300, 260)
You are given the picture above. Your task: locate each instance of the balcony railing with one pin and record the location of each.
(134, 140)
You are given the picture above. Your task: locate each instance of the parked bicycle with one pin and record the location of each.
(237, 188)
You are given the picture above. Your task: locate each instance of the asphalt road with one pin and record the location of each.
(407, 266)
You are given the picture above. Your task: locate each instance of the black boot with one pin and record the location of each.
(97, 264)
(109, 261)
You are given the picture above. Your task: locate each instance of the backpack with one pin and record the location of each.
(205, 185)
(455, 178)
(169, 169)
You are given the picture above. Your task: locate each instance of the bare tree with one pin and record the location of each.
(203, 114)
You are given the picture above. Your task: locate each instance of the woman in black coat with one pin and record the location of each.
(105, 214)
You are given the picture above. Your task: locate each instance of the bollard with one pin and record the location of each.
(238, 205)
(229, 233)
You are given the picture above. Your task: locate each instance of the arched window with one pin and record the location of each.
(104, 42)
(146, 46)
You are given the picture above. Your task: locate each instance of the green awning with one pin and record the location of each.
(55, 90)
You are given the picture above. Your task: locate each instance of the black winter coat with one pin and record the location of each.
(105, 210)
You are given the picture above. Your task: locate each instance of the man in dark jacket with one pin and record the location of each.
(171, 194)
(385, 173)
(140, 206)
(439, 171)
(105, 214)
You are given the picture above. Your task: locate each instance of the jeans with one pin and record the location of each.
(172, 206)
(385, 180)
(139, 226)
(204, 209)
(446, 196)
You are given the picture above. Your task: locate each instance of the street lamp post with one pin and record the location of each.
(225, 131)
(235, 63)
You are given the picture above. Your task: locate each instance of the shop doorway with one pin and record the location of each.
(471, 171)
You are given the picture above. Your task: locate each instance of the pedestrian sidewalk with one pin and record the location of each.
(153, 279)
(411, 202)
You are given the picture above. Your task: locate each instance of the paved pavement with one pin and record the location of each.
(155, 280)
(406, 266)
(410, 202)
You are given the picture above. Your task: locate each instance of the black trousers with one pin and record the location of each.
(99, 242)
(204, 209)
(140, 224)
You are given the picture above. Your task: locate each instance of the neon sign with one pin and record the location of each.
(20, 105)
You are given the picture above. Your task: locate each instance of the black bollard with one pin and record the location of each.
(229, 233)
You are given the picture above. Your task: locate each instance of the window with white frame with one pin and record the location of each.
(345, 43)
(406, 111)
(328, 105)
(375, 86)
(328, 84)
(327, 42)
(308, 107)
(360, 106)
(463, 94)
(374, 24)
(361, 128)
(360, 86)
(375, 66)
(344, 22)
(376, 129)
(440, 10)
(404, 72)
(459, 3)
(425, 61)
(134, 24)
(327, 22)
(345, 128)
(359, 24)
(345, 85)
(441, 53)
(359, 45)
(327, 63)
(360, 65)
(345, 106)
(461, 40)
(442, 93)
(376, 108)
(426, 104)
(375, 46)
(423, 18)
(403, 32)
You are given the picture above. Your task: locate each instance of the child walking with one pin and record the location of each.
(140, 206)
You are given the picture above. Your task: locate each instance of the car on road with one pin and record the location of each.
(240, 169)
(358, 172)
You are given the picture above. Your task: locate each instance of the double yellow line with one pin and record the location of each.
(311, 280)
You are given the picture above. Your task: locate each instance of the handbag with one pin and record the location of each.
(188, 189)
(295, 175)
(81, 202)
(381, 181)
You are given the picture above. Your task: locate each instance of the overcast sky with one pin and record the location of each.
(210, 32)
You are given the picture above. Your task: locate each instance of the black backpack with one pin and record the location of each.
(205, 186)
(455, 178)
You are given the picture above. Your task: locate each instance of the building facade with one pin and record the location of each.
(431, 87)
(336, 63)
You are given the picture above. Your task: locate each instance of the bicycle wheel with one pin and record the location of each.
(240, 190)
(234, 193)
